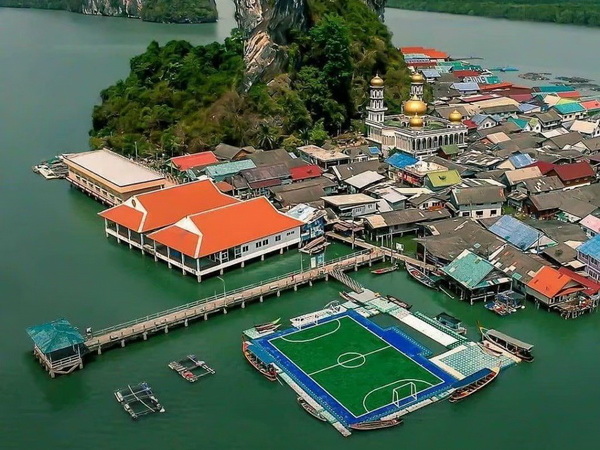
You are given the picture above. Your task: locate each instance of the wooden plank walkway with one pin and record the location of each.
(389, 253)
(162, 321)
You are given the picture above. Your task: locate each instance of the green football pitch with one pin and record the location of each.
(359, 369)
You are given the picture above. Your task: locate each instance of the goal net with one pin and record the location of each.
(406, 390)
(333, 307)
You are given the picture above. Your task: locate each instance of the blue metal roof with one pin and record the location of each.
(520, 160)
(400, 160)
(591, 248)
(478, 118)
(56, 335)
(516, 232)
(469, 270)
(430, 73)
(526, 107)
(219, 171)
(468, 86)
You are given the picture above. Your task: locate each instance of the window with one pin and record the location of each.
(465, 214)
(493, 212)
(265, 242)
(479, 213)
(277, 238)
(245, 248)
(258, 244)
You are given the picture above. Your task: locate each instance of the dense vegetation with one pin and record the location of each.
(177, 11)
(577, 12)
(180, 98)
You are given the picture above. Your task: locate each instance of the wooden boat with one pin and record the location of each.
(513, 346)
(266, 370)
(398, 302)
(376, 424)
(487, 348)
(420, 276)
(317, 245)
(346, 296)
(267, 325)
(384, 270)
(473, 383)
(312, 411)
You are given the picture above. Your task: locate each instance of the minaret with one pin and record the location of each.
(416, 85)
(376, 109)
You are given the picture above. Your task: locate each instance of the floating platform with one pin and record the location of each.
(138, 400)
(191, 368)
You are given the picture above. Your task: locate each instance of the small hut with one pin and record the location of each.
(58, 346)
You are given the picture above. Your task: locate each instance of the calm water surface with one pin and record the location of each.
(56, 263)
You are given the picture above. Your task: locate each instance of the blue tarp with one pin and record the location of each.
(56, 335)
(400, 160)
(591, 248)
(520, 160)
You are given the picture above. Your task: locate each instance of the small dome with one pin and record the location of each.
(417, 78)
(377, 81)
(416, 122)
(415, 106)
(455, 117)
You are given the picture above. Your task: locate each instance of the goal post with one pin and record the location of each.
(405, 390)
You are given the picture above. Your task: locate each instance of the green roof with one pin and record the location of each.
(521, 123)
(56, 335)
(443, 179)
(451, 149)
(569, 108)
(469, 270)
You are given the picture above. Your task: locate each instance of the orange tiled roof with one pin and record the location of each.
(194, 160)
(550, 282)
(225, 227)
(158, 209)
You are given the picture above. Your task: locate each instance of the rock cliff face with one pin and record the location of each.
(178, 11)
(267, 23)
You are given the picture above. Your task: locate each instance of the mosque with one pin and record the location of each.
(413, 132)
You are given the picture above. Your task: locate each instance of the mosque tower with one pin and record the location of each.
(416, 85)
(376, 109)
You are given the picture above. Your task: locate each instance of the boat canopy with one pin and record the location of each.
(472, 378)
(445, 317)
(510, 340)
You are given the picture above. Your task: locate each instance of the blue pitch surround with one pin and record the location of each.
(393, 336)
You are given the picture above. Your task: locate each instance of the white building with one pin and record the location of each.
(478, 202)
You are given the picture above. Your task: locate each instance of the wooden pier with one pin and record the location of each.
(163, 321)
(387, 252)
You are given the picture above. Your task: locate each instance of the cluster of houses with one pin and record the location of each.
(497, 184)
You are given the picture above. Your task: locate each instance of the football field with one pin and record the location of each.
(355, 366)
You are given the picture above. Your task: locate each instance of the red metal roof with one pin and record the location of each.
(157, 209)
(425, 64)
(550, 283)
(567, 172)
(430, 52)
(223, 228)
(491, 87)
(465, 73)
(544, 166)
(570, 94)
(592, 288)
(591, 105)
(477, 98)
(470, 124)
(521, 98)
(197, 159)
(305, 172)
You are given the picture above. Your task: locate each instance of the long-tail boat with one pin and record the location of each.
(511, 345)
(420, 276)
(384, 270)
(376, 424)
(266, 370)
(473, 383)
(309, 409)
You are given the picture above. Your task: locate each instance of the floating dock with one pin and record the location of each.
(191, 368)
(138, 400)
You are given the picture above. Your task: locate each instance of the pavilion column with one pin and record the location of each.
(182, 263)
(118, 234)
(169, 256)
(129, 236)
(106, 227)
(142, 243)
(198, 270)
(154, 245)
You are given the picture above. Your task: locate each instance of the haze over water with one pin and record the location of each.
(56, 263)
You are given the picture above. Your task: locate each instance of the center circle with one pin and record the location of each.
(351, 360)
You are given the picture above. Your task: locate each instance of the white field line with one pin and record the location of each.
(314, 338)
(350, 360)
(407, 380)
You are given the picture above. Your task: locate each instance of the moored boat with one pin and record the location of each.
(384, 270)
(420, 276)
(398, 302)
(309, 409)
(520, 349)
(346, 296)
(376, 424)
(473, 383)
(451, 323)
(266, 370)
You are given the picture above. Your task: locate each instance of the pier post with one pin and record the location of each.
(166, 329)
(262, 257)
(278, 293)
(260, 299)
(221, 271)
(199, 278)
(295, 287)
(205, 316)
(356, 267)
(185, 323)
(99, 349)
(243, 305)
(310, 283)
(243, 264)
(122, 342)
(145, 335)
(281, 251)
(326, 277)
(224, 310)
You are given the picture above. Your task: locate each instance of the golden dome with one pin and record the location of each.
(417, 78)
(415, 106)
(416, 122)
(377, 81)
(455, 117)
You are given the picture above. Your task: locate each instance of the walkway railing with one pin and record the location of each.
(232, 293)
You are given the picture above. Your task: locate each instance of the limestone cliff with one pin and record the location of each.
(170, 11)
(267, 25)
